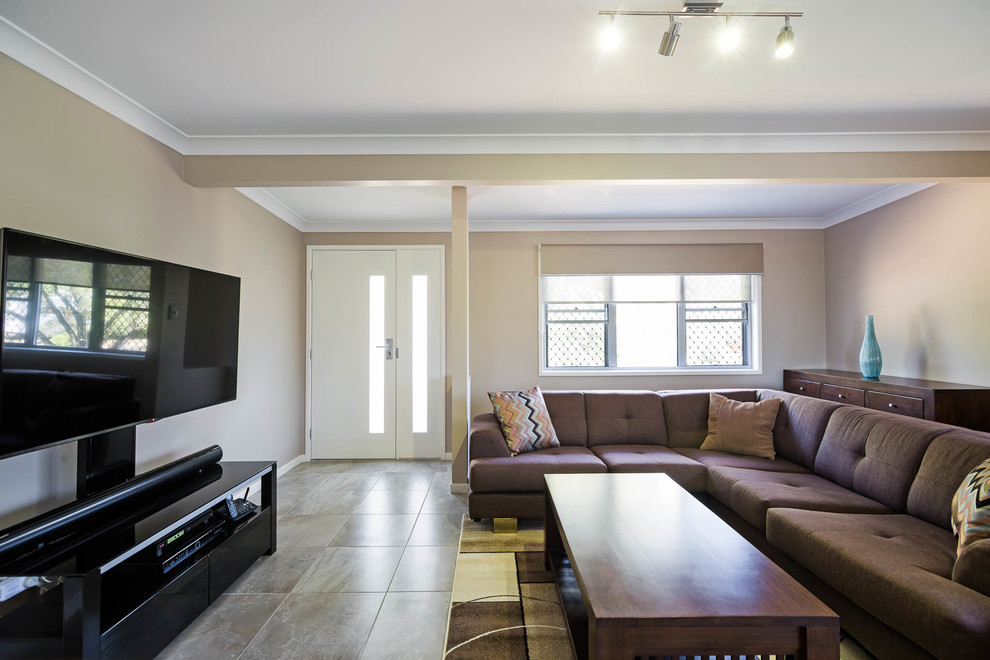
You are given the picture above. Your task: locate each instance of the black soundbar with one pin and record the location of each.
(34, 533)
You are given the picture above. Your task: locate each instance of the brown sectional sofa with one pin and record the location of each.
(856, 504)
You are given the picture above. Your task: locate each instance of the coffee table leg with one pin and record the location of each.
(822, 642)
(551, 533)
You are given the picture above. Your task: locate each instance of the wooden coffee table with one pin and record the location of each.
(644, 569)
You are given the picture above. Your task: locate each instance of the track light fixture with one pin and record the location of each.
(728, 38)
(670, 37)
(785, 40)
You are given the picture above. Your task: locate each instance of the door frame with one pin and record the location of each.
(310, 249)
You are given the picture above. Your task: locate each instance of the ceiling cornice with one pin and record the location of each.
(603, 224)
(24, 48)
(32, 53)
(874, 201)
(265, 200)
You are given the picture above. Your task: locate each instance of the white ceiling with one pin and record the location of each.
(319, 67)
(450, 76)
(567, 207)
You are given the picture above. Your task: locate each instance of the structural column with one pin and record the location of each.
(458, 340)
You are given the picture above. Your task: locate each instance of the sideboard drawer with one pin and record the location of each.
(848, 395)
(805, 387)
(902, 405)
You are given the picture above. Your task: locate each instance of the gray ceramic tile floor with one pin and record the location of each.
(364, 569)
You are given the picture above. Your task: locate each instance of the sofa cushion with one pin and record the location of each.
(569, 420)
(725, 459)
(625, 418)
(874, 453)
(801, 422)
(686, 414)
(689, 474)
(948, 459)
(897, 568)
(750, 493)
(524, 473)
(741, 427)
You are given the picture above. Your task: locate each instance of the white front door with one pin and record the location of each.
(376, 387)
(353, 365)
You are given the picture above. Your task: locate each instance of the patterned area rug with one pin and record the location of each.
(504, 605)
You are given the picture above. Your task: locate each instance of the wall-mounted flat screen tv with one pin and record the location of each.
(96, 340)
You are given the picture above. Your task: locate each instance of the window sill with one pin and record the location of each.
(718, 371)
(76, 350)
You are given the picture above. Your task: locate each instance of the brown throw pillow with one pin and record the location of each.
(741, 428)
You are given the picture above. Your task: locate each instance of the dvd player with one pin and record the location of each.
(182, 543)
(177, 538)
(192, 547)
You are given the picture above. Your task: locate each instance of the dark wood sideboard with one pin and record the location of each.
(949, 403)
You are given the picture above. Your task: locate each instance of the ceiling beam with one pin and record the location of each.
(495, 169)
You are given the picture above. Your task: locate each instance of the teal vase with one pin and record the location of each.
(870, 359)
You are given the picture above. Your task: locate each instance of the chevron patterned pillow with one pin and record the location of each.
(971, 507)
(525, 420)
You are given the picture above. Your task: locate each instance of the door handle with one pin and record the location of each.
(388, 348)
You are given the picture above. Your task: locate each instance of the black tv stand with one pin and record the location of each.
(103, 598)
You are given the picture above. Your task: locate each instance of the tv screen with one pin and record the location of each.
(95, 340)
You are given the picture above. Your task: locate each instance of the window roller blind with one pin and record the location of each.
(592, 289)
(77, 273)
(62, 271)
(681, 259)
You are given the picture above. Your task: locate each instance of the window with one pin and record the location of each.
(15, 323)
(649, 323)
(58, 303)
(127, 303)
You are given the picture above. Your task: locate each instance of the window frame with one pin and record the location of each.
(98, 317)
(752, 337)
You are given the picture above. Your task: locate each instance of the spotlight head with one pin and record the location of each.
(785, 42)
(729, 37)
(610, 38)
(670, 37)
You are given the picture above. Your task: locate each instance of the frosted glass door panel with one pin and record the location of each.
(420, 393)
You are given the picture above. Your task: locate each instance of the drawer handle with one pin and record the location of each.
(801, 389)
(842, 396)
(890, 405)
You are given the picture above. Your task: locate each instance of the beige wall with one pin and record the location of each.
(504, 308)
(390, 238)
(505, 323)
(921, 267)
(68, 169)
(542, 168)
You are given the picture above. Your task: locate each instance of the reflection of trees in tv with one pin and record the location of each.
(65, 315)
